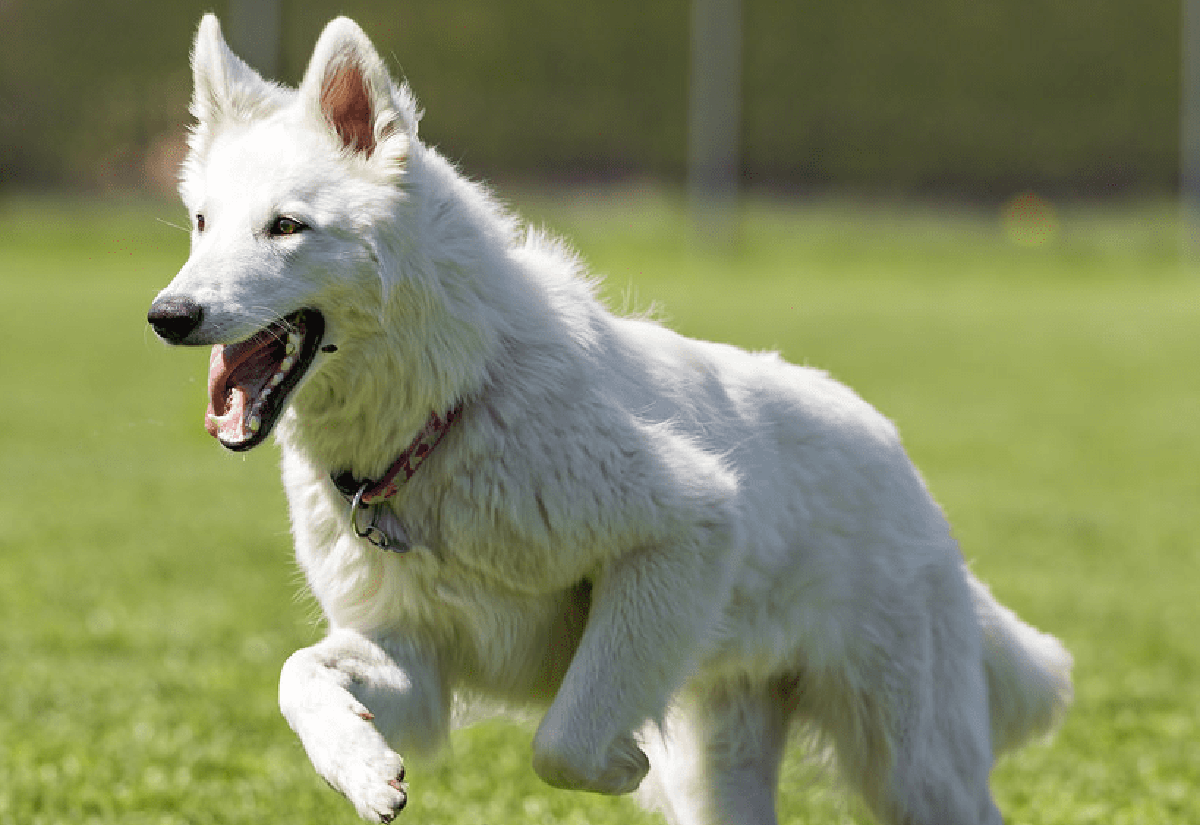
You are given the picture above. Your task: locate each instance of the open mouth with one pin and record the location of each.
(249, 382)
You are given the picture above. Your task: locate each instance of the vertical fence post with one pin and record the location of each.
(1189, 132)
(714, 119)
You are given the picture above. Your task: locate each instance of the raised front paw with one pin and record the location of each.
(376, 787)
(347, 751)
(562, 764)
(355, 760)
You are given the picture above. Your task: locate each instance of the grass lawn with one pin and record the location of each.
(1049, 394)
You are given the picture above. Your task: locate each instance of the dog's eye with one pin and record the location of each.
(285, 226)
(199, 223)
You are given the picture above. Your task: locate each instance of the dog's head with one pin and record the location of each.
(285, 188)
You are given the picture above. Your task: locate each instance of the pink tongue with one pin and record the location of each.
(226, 409)
(226, 414)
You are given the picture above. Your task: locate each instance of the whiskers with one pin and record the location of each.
(271, 322)
(183, 229)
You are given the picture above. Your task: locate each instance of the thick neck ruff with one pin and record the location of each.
(363, 493)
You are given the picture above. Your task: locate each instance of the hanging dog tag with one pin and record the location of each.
(373, 532)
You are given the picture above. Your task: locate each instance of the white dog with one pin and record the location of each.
(678, 550)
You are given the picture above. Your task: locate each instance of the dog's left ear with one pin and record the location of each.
(348, 87)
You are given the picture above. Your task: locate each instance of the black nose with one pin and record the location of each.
(174, 319)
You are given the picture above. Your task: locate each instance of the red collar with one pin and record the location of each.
(366, 491)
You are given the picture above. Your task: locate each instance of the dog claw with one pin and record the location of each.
(395, 783)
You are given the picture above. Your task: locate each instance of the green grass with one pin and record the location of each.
(1048, 394)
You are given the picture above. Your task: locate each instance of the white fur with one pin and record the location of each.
(674, 547)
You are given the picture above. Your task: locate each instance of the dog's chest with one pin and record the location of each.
(499, 640)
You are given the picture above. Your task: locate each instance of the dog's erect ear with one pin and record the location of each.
(348, 87)
(225, 87)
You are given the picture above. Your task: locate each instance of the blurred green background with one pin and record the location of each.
(973, 99)
(965, 210)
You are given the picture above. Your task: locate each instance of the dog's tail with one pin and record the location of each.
(1028, 674)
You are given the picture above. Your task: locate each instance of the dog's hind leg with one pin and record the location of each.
(715, 760)
(343, 695)
(909, 720)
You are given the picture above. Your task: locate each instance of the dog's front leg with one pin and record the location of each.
(650, 613)
(343, 695)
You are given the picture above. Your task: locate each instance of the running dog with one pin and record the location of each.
(677, 551)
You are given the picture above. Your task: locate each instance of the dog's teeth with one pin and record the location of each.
(253, 423)
(287, 363)
(293, 344)
(276, 379)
